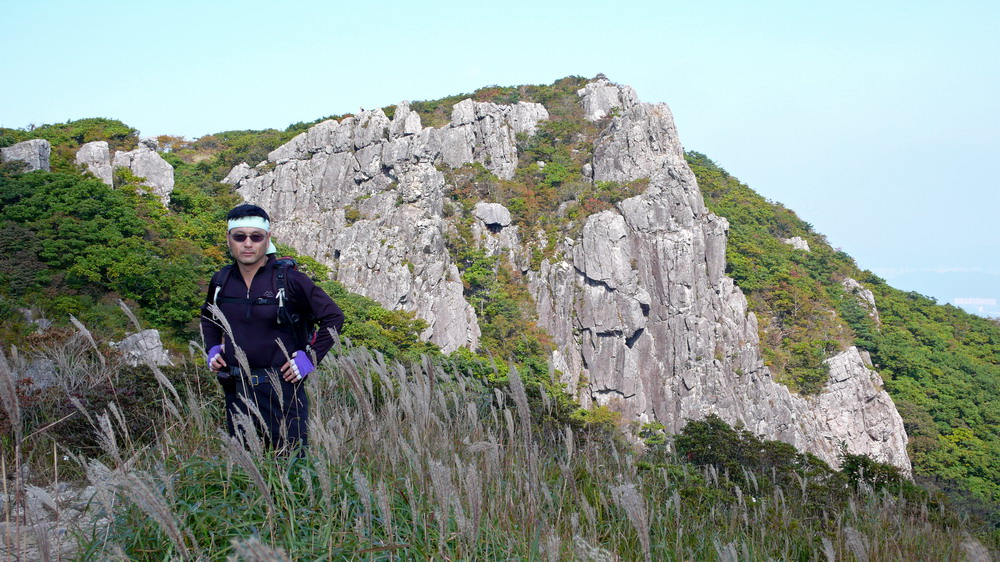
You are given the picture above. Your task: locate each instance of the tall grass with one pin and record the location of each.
(408, 462)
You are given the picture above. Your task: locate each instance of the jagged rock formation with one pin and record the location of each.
(96, 157)
(34, 153)
(797, 242)
(643, 317)
(144, 162)
(391, 246)
(865, 297)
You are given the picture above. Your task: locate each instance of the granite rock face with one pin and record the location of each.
(864, 296)
(798, 243)
(143, 348)
(96, 157)
(34, 153)
(145, 162)
(643, 317)
(363, 195)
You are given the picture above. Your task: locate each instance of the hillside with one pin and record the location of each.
(940, 364)
(79, 245)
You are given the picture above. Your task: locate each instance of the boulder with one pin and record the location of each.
(143, 348)
(492, 214)
(798, 243)
(34, 153)
(146, 162)
(96, 157)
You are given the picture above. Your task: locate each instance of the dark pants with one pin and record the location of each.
(285, 416)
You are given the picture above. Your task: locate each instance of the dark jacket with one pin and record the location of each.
(255, 326)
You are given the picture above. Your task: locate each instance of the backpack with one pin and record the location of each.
(302, 324)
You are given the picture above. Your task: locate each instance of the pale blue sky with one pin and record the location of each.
(877, 122)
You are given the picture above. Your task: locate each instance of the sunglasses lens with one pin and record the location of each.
(256, 237)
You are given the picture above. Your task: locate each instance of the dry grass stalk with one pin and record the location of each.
(323, 475)
(590, 514)
(521, 401)
(252, 550)
(9, 399)
(568, 441)
(43, 496)
(89, 337)
(246, 425)
(856, 543)
(552, 544)
(726, 552)
(220, 318)
(12, 405)
(628, 498)
(364, 494)
(385, 510)
(509, 418)
(106, 438)
(446, 499)
(584, 550)
(141, 491)
(172, 406)
(350, 371)
(975, 551)
(241, 457)
(129, 314)
(274, 376)
(42, 542)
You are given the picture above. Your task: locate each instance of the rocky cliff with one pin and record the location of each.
(643, 317)
(33, 153)
(144, 162)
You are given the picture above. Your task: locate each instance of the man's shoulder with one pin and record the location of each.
(222, 271)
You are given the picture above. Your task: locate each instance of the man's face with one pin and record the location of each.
(248, 252)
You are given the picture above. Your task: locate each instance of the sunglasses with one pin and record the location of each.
(256, 237)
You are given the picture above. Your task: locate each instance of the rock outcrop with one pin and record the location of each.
(96, 157)
(34, 153)
(145, 162)
(798, 243)
(143, 348)
(643, 317)
(391, 246)
(864, 296)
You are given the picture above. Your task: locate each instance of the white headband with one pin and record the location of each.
(254, 222)
(250, 222)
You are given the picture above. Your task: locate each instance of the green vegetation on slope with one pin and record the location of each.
(940, 365)
(66, 138)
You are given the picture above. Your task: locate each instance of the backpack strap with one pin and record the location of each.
(280, 282)
(301, 323)
(219, 282)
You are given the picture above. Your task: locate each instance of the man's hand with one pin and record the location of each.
(298, 367)
(215, 360)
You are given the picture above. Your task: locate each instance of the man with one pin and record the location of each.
(267, 311)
